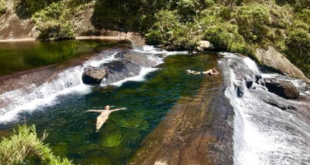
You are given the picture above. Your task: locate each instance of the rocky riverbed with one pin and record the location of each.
(197, 130)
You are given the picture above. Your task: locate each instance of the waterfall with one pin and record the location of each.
(27, 94)
(30, 96)
(264, 134)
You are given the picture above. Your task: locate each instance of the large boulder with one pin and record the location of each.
(120, 70)
(273, 59)
(204, 45)
(93, 76)
(281, 88)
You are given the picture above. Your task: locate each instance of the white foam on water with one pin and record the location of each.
(272, 75)
(68, 81)
(147, 48)
(153, 50)
(94, 63)
(138, 78)
(177, 53)
(263, 134)
(251, 64)
(156, 60)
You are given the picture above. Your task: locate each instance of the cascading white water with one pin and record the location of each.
(264, 134)
(30, 97)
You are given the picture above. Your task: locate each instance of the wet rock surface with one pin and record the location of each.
(197, 130)
(271, 120)
(273, 59)
(120, 70)
(283, 89)
(127, 64)
(275, 103)
(93, 76)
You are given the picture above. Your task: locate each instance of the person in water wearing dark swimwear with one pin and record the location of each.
(210, 72)
(104, 115)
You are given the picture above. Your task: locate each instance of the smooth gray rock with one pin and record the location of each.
(273, 59)
(281, 88)
(274, 103)
(93, 76)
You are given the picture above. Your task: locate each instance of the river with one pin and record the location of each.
(171, 117)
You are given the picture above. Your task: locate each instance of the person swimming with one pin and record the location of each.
(210, 72)
(104, 115)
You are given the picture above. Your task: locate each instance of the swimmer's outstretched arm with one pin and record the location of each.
(91, 110)
(113, 110)
(192, 72)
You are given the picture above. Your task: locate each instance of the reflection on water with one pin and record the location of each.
(19, 56)
(72, 131)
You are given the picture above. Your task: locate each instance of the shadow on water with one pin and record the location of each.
(21, 56)
(72, 131)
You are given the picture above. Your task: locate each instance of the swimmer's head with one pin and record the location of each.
(107, 107)
(213, 69)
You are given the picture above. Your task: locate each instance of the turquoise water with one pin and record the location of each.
(19, 56)
(72, 131)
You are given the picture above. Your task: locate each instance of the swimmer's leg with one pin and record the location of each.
(100, 122)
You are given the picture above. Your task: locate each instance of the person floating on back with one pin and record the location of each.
(210, 72)
(104, 115)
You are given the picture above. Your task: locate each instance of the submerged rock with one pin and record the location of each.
(273, 59)
(93, 76)
(281, 88)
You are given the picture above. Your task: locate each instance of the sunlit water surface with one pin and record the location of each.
(72, 131)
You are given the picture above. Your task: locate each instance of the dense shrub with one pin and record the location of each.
(2, 7)
(186, 9)
(53, 22)
(54, 30)
(225, 36)
(299, 35)
(26, 143)
(169, 31)
(36, 5)
(298, 41)
(252, 21)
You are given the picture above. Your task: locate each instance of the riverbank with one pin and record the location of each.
(113, 35)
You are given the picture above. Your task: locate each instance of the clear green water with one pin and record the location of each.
(72, 131)
(19, 56)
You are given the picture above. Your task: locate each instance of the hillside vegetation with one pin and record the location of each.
(233, 25)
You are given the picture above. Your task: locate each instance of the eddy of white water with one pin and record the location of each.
(67, 81)
(264, 134)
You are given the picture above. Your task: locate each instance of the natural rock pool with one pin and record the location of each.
(171, 118)
(72, 131)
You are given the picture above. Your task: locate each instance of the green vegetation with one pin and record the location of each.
(232, 25)
(25, 144)
(53, 22)
(298, 41)
(2, 7)
(174, 34)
